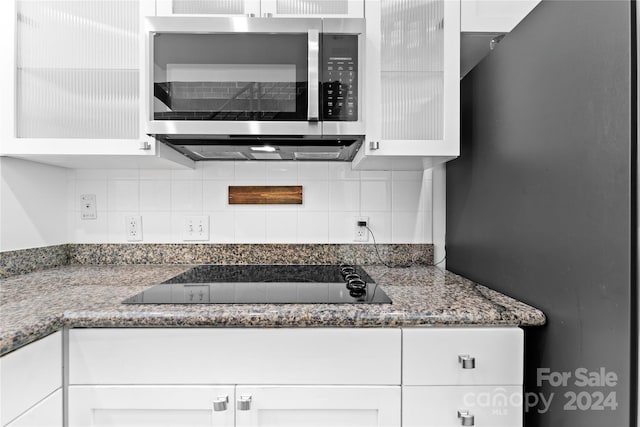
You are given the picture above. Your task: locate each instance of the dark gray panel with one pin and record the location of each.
(538, 204)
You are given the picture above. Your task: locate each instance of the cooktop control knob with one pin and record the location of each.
(356, 284)
(351, 276)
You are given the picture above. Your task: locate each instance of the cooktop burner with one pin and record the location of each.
(270, 284)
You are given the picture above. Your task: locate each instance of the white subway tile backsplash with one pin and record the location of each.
(342, 226)
(375, 195)
(407, 227)
(250, 227)
(380, 225)
(309, 171)
(407, 196)
(215, 195)
(132, 174)
(98, 187)
(281, 226)
(313, 227)
(123, 195)
(186, 196)
(91, 231)
(315, 195)
(397, 203)
(155, 174)
(407, 175)
(339, 171)
(281, 173)
(375, 175)
(221, 227)
(255, 172)
(92, 173)
(186, 174)
(155, 195)
(344, 196)
(156, 227)
(218, 170)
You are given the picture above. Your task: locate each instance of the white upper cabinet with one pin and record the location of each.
(74, 82)
(493, 16)
(412, 84)
(276, 8)
(208, 7)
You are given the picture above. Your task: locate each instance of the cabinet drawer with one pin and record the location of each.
(47, 413)
(235, 356)
(158, 406)
(493, 406)
(28, 375)
(432, 356)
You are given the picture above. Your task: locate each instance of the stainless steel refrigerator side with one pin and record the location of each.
(540, 203)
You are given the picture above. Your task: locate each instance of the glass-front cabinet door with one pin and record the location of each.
(412, 74)
(264, 8)
(208, 7)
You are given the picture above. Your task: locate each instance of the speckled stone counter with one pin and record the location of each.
(36, 304)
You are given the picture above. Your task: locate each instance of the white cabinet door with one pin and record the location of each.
(158, 406)
(482, 406)
(47, 413)
(314, 8)
(72, 89)
(28, 375)
(318, 406)
(412, 84)
(494, 356)
(208, 7)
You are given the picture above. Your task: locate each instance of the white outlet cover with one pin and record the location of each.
(133, 227)
(195, 228)
(88, 208)
(361, 234)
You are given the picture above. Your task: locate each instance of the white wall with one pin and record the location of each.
(33, 204)
(399, 204)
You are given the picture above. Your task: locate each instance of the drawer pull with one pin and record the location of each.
(467, 361)
(244, 403)
(466, 419)
(220, 404)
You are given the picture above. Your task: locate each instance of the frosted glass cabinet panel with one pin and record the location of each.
(280, 8)
(411, 54)
(314, 8)
(412, 66)
(208, 7)
(77, 69)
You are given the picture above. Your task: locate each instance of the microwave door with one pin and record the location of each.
(233, 76)
(313, 99)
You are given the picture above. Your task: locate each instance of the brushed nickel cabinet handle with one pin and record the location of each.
(466, 419)
(467, 361)
(220, 404)
(244, 403)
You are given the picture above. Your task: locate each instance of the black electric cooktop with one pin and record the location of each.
(266, 284)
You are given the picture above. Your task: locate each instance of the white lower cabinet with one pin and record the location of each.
(159, 406)
(47, 413)
(226, 406)
(444, 406)
(318, 406)
(299, 377)
(30, 376)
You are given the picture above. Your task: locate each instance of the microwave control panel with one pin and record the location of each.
(339, 77)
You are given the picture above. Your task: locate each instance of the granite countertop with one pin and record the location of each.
(36, 304)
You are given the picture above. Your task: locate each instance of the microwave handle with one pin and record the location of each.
(313, 98)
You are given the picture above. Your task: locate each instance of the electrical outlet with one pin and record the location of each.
(88, 206)
(196, 228)
(361, 231)
(134, 228)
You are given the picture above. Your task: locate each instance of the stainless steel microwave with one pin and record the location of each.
(214, 78)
